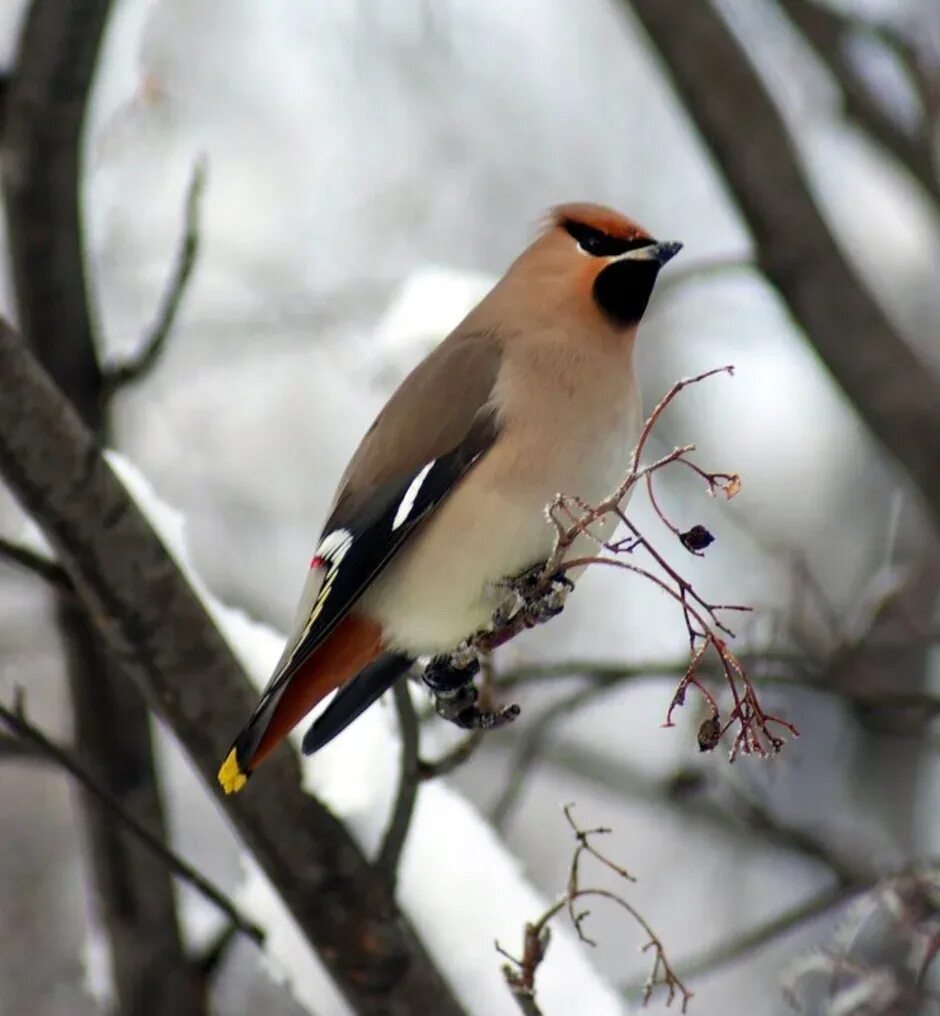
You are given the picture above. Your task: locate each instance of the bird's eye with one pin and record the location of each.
(600, 244)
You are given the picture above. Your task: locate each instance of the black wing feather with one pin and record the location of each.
(354, 698)
(376, 531)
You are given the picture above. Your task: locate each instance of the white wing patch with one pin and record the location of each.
(334, 546)
(408, 501)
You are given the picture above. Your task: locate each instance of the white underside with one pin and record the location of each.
(446, 583)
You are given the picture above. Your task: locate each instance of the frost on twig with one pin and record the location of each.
(755, 731)
(520, 973)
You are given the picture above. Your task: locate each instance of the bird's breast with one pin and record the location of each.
(445, 583)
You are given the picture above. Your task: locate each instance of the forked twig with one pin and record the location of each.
(520, 973)
(756, 730)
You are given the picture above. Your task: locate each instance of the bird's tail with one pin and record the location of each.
(351, 647)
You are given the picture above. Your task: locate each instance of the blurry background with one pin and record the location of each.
(370, 167)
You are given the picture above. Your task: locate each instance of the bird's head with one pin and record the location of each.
(596, 261)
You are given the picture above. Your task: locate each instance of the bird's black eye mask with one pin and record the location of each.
(600, 244)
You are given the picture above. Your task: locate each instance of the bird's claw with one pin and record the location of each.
(450, 680)
(540, 603)
(460, 707)
(445, 675)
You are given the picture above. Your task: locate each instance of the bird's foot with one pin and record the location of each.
(540, 602)
(450, 680)
(450, 673)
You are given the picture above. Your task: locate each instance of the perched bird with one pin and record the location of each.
(443, 503)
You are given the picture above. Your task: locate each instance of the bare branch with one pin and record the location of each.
(756, 731)
(520, 973)
(16, 748)
(38, 564)
(529, 750)
(827, 30)
(394, 840)
(153, 623)
(431, 769)
(41, 163)
(737, 948)
(893, 391)
(129, 372)
(17, 722)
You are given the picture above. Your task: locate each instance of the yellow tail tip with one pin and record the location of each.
(231, 776)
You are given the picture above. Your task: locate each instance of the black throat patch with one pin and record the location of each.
(622, 290)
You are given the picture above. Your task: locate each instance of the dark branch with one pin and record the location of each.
(16, 721)
(394, 841)
(155, 625)
(16, 748)
(528, 753)
(41, 163)
(4, 89)
(431, 769)
(129, 372)
(827, 31)
(38, 564)
(892, 390)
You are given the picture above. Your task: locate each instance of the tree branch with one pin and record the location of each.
(755, 938)
(38, 564)
(134, 369)
(41, 177)
(153, 623)
(31, 736)
(893, 391)
(520, 974)
(397, 832)
(827, 31)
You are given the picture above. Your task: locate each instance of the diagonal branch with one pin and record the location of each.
(826, 30)
(41, 163)
(152, 622)
(33, 738)
(38, 564)
(397, 832)
(892, 390)
(129, 372)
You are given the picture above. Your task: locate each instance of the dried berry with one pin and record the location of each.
(696, 539)
(709, 734)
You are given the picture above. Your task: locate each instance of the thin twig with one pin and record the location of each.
(520, 973)
(16, 748)
(40, 565)
(128, 372)
(529, 750)
(394, 841)
(431, 769)
(755, 938)
(16, 721)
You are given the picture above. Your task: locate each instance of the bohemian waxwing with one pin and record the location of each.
(533, 393)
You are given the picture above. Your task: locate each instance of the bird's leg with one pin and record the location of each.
(450, 680)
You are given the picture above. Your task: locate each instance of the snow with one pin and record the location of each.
(98, 980)
(459, 884)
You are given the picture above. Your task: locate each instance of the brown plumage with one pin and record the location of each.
(531, 394)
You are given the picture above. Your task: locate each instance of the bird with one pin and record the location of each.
(444, 502)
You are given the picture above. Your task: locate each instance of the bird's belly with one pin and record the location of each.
(446, 582)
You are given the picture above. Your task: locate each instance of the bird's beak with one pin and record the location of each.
(658, 252)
